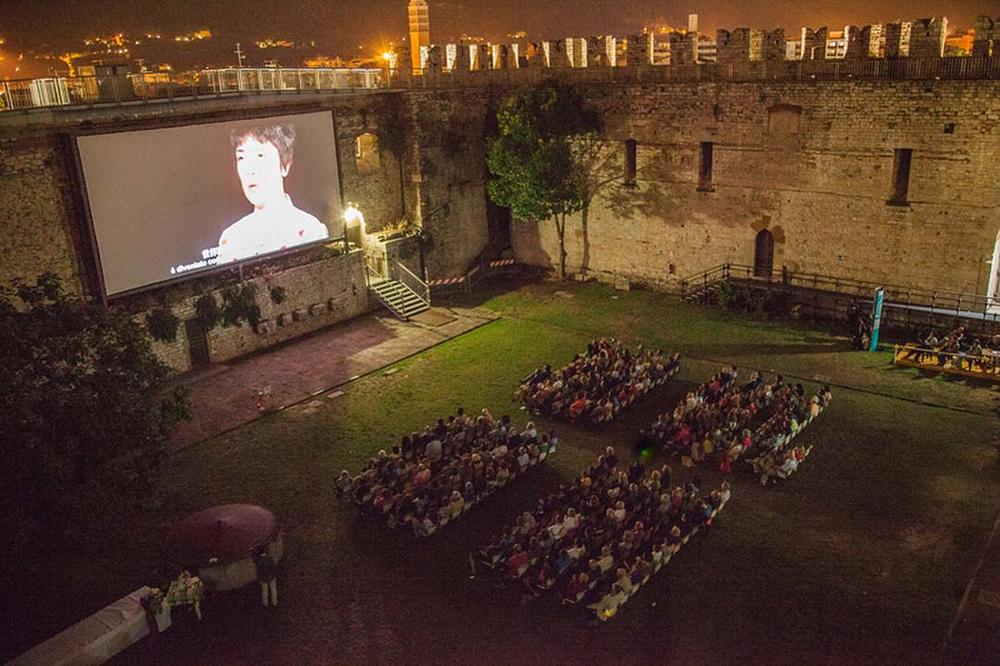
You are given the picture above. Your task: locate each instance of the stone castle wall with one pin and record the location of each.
(816, 170)
(317, 295)
(810, 162)
(36, 209)
(45, 228)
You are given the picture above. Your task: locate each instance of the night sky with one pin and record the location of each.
(340, 26)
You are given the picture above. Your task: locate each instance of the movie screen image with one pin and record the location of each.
(167, 203)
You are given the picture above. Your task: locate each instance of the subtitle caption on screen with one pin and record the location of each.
(209, 257)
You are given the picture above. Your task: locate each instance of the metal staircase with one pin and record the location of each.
(701, 288)
(401, 292)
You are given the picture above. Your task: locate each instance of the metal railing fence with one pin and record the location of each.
(933, 300)
(402, 274)
(86, 91)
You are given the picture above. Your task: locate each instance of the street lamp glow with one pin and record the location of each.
(352, 215)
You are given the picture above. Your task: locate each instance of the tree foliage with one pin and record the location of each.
(84, 414)
(538, 158)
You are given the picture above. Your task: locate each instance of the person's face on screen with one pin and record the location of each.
(261, 174)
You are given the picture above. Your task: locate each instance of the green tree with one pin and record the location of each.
(539, 158)
(84, 414)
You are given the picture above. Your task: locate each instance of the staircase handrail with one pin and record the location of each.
(705, 278)
(409, 279)
(393, 299)
(371, 269)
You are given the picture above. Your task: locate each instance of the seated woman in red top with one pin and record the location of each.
(578, 406)
(518, 562)
(577, 587)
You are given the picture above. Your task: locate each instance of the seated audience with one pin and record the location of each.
(597, 384)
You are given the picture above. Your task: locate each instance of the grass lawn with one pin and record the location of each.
(860, 557)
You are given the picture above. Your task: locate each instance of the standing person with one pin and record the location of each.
(267, 576)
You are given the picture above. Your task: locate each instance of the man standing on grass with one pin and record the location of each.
(267, 576)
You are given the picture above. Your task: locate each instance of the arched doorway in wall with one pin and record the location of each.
(993, 290)
(763, 254)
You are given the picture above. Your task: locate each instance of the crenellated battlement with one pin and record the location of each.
(920, 38)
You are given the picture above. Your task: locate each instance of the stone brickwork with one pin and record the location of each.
(448, 139)
(774, 45)
(35, 208)
(45, 229)
(316, 295)
(897, 39)
(683, 48)
(863, 43)
(986, 43)
(810, 162)
(556, 56)
(820, 187)
(640, 50)
(814, 43)
(600, 51)
(740, 45)
(927, 37)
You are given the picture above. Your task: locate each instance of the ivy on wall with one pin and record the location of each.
(162, 324)
(278, 295)
(239, 304)
(207, 311)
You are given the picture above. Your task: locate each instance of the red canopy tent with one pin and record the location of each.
(219, 543)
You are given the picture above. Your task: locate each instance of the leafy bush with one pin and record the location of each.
(84, 412)
(162, 325)
(724, 294)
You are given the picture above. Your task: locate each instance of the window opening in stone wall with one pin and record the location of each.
(784, 120)
(705, 166)
(901, 177)
(631, 153)
(366, 154)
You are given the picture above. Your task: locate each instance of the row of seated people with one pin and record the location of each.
(597, 384)
(431, 478)
(607, 597)
(775, 456)
(608, 519)
(710, 424)
(954, 349)
(558, 515)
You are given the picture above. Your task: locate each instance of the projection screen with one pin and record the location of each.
(174, 202)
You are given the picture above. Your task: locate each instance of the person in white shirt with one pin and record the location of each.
(527, 523)
(571, 521)
(725, 493)
(263, 160)
(606, 560)
(523, 459)
(789, 466)
(556, 528)
(434, 449)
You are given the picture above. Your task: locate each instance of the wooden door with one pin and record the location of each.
(763, 255)
(197, 343)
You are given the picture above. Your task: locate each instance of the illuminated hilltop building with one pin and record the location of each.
(420, 31)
